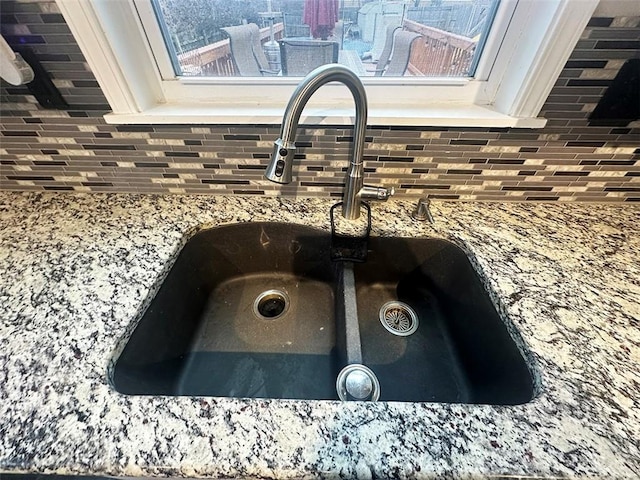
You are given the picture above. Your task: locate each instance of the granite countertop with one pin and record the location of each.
(76, 269)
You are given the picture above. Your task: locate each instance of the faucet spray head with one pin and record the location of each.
(281, 165)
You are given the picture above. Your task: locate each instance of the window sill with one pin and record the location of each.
(510, 89)
(433, 116)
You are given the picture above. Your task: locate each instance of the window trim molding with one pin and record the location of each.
(117, 48)
(525, 86)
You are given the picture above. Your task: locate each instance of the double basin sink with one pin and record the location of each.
(249, 310)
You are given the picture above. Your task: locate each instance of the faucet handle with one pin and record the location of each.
(369, 192)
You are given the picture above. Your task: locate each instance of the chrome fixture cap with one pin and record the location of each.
(357, 382)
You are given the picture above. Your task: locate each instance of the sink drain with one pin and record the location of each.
(271, 304)
(398, 318)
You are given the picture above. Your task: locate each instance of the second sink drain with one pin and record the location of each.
(271, 304)
(398, 318)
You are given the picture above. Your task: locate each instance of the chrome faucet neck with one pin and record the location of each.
(312, 82)
(280, 167)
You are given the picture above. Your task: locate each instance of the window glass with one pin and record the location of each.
(272, 38)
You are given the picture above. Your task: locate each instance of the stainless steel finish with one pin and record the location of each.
(422, 212)
(278, 298)
(279, 169)
(398, 318)
(359, 385)
(357, 382)
(368, 192)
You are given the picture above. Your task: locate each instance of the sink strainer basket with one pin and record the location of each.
(398, 318)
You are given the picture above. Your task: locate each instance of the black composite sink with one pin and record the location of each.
(461, 351)
(248, 310)
(201, 334)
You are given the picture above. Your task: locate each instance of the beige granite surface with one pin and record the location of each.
(75, 271)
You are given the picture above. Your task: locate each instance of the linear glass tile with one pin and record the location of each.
(599, 22)
(617, 45)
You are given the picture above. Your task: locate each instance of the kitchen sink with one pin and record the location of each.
(460, 351)
(249, 310)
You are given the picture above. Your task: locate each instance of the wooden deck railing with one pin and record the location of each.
(439, 53)
(215, 59)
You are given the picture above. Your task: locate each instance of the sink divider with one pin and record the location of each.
(348, 328)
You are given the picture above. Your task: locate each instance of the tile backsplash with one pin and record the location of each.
(75, 150)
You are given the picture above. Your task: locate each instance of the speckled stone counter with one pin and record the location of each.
(75, 271)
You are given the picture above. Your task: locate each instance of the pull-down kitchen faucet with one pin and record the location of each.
(279, 169)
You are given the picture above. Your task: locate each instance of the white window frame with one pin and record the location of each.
(524, 55)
